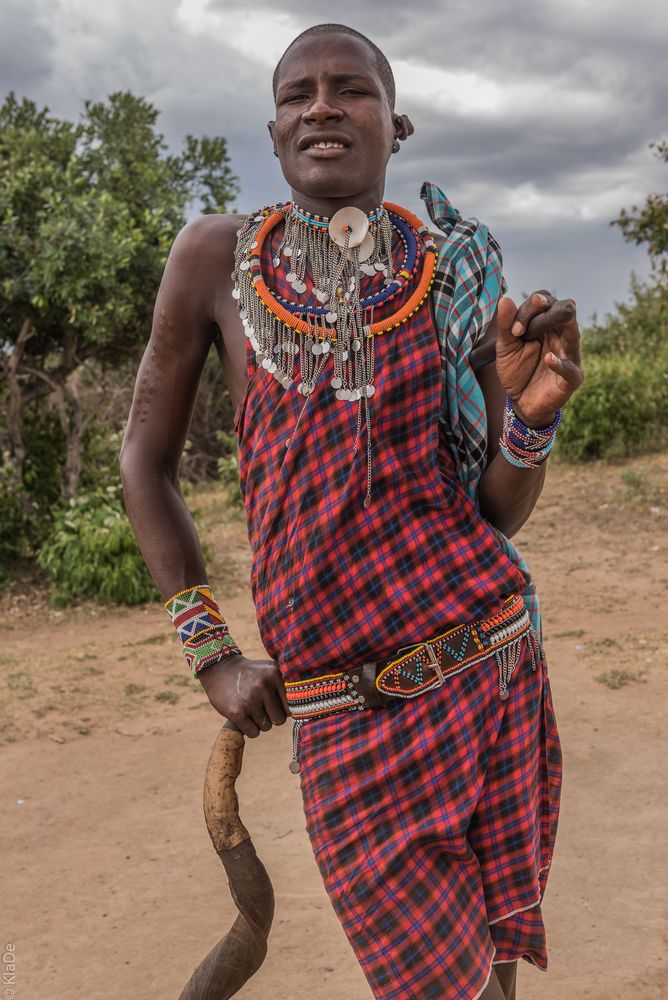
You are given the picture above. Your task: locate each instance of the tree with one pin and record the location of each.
(88, 211)
(649, 224)
(622, 408)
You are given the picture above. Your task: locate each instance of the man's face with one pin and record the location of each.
(329, 92)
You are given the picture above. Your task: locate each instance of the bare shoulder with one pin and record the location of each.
(206, 241)
(198, 270)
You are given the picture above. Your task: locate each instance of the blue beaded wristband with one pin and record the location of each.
(526, 447)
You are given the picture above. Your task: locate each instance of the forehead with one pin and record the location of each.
(327, 55)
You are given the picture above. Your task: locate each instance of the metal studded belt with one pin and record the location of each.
(417, 668)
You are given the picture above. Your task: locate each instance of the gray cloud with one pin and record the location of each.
(364, 17)
(26, 47)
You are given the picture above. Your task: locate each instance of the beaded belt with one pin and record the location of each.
(420, 667)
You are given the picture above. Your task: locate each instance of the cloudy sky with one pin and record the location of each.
(536, 118)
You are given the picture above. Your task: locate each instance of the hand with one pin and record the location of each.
(250, 693)
(538, 355)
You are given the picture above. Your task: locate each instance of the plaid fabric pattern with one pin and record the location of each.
(433, 824)
(467, 287)
(335, 583)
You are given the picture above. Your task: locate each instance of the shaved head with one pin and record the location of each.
(382, 65)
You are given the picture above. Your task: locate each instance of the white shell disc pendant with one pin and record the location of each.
(348, 227)
(364, 250)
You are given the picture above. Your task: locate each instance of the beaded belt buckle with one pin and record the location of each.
(425, 665)
(420, 667)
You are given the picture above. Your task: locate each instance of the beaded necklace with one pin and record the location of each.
(336, 252)
(393, 283)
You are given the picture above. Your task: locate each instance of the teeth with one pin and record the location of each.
(327, 145)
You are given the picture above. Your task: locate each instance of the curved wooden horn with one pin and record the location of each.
(241, 952)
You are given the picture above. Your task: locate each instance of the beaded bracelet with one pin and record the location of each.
(201, 628)
(522, 446)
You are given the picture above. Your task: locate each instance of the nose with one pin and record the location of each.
(321, 109)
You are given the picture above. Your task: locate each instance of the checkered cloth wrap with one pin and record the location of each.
(433, 818)
(465, 294)
(433, 823)
(334, 582)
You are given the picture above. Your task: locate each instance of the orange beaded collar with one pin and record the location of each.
(409, 308)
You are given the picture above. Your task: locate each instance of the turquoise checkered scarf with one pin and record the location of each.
(466, 289)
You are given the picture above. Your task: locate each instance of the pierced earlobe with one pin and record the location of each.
(403, 126)
(395, 146)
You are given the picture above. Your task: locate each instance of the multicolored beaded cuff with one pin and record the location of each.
(201, 628)
(522, 446)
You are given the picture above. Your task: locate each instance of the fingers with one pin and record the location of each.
(273, 707)
(538, 303)
(505, 317)
(247, 726)
(255, 701)
(560, 316)
(566, 369)
(260, 713)
(538, 315)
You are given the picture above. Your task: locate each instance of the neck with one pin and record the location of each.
(327, 206)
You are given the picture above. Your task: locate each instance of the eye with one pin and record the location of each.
(294, 97)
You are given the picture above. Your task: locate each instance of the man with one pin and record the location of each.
(430, 777)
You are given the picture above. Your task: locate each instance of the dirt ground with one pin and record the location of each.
(110, 887)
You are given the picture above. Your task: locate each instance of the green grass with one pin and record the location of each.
(619, 678)
(21, 685)
(170, 696)
(602, 646)
(77, 727)
(133, 689)
(152, 640)
(91, 671)
(180, 680)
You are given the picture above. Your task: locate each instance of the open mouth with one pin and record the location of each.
(324, 150)
(324, 145)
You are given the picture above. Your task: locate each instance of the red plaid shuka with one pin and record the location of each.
(433, 819)
(433, 824)
(334, 582)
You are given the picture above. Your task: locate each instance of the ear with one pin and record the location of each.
(272, 131)
(403, 126)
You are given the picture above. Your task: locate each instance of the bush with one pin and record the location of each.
(622, 407)
(11, 527)
(621, 410)
(91, 553)
(637, 327)
(228, 469)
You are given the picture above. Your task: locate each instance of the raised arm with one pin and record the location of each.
(538, 364)
(194, 302)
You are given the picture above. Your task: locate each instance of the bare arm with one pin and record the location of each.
(539, 367)
(181, 336)
(194, 301)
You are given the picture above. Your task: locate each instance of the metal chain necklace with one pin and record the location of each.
(334, 254)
